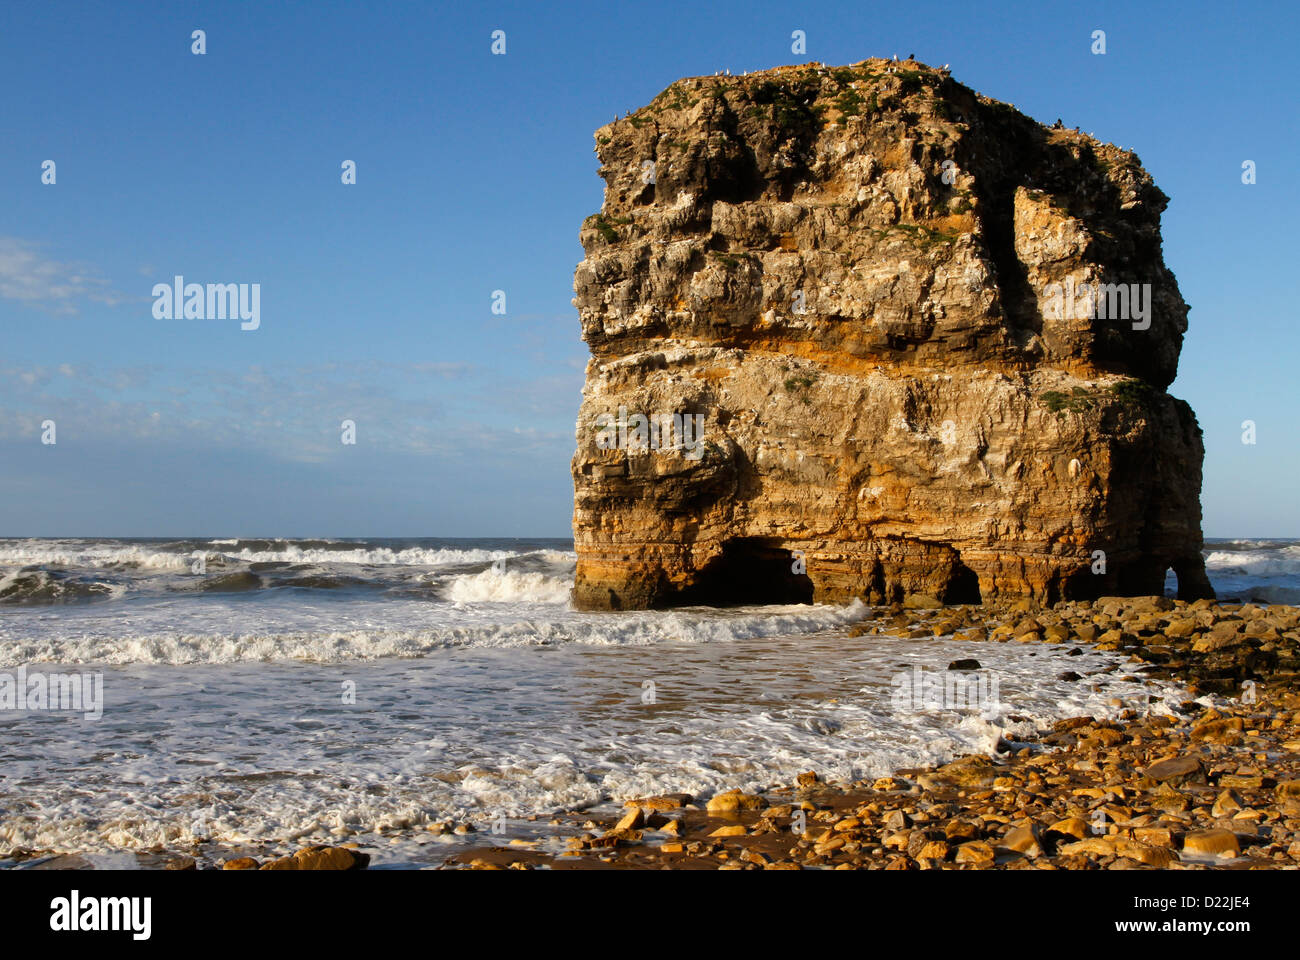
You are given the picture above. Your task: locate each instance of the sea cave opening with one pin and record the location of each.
(963, 586)
(749, 571)
(1171, 582)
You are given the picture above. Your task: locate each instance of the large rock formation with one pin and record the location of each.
(873, 285)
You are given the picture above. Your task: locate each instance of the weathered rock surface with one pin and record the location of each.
(848, 274)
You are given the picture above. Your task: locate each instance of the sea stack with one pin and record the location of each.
(863, 332)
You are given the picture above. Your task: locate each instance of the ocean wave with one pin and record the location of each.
(181, 556)
(57, 554)
(372, 556)
(39, 586)
(338, 646)
(1255, 591)
(508, 586)
(1262, 543)
(1283, 561)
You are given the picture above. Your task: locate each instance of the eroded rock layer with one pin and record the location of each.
(880, 297)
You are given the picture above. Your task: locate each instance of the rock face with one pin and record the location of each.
(916, 344)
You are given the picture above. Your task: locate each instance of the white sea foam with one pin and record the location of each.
(1262, 570)
(270, 752)
(509, 586)
(377, 556)
(1274, 562)
(479, 692)
(100, 554)
(326, 631)
(95, 556)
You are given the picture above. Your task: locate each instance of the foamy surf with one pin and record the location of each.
(509, 586)
(169, 633)
(510, 570)
(1265, 571)
(179, 555)
(274, 753)
(478, 690)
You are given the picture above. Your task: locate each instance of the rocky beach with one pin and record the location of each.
(1214, 784)
(1196, 766)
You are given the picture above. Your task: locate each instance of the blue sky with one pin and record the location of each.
(474, 173)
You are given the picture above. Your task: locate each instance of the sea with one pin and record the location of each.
(263, 694)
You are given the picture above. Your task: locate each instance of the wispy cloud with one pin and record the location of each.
(449, 410)
(35, 280)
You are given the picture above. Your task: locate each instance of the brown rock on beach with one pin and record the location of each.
(321, 858)
(1216, 843)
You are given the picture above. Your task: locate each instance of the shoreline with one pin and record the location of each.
(1083, 793)
(1205, 788)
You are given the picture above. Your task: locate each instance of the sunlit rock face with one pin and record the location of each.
(915, 342)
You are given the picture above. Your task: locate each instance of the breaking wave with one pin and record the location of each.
(125, 643)
(494, 586)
